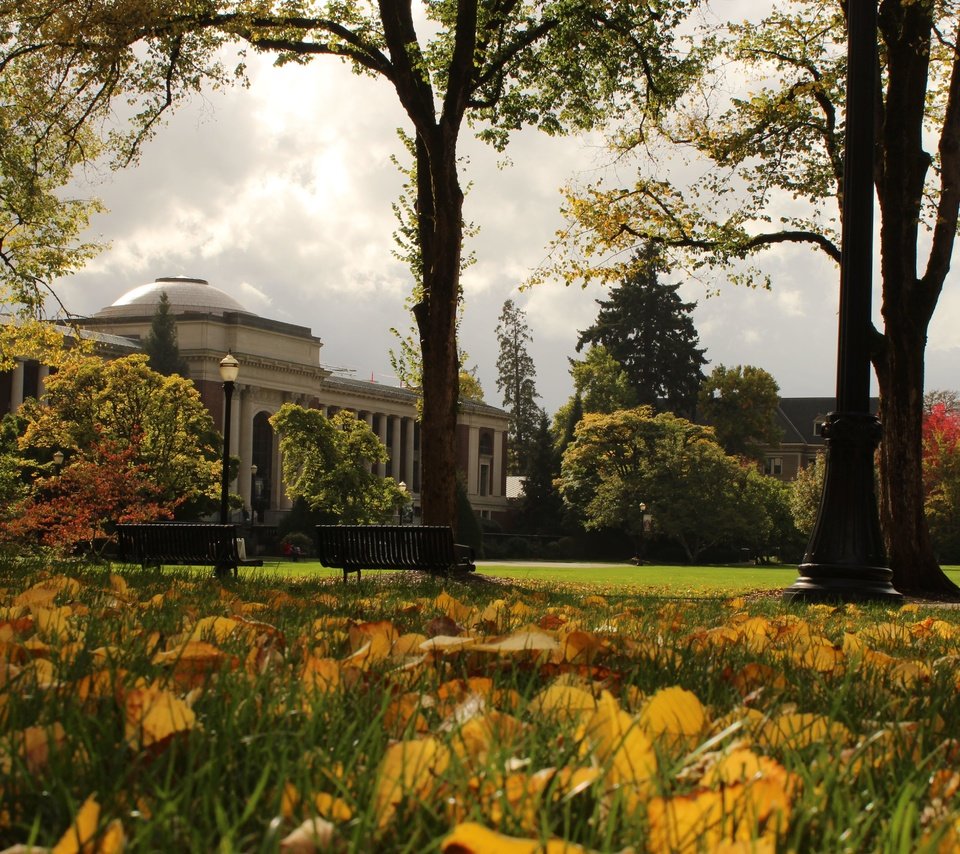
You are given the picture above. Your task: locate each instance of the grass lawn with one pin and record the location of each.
(170, 711)
(653, 580)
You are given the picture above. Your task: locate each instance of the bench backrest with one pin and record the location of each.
(178, 542)
(427, 547)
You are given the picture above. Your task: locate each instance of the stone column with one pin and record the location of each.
(368, 420)
(473, 460)
(395, 449)
(277, 496)
(245, 443)
(408, 460)
(496, 487)
(16, 386)
(382, 435)
(42, 373)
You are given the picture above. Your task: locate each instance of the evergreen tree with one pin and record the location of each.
(648, 330)
(160, 345)
(541, 508)
(516, 380)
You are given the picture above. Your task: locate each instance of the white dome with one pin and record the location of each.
(185, 295)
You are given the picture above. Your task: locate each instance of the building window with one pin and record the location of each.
(486, 444)
(773, 466)
(484, 479)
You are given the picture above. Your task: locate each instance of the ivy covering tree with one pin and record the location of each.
(327, 462)
(770, 159)
(647, 329)
(516, 379)
(160, 345)
(741, 404)
(501, 66)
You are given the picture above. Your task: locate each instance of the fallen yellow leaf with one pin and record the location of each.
(675, 714)
(619, 743)
(519, 642)
(563, 702)
(154, 715)
(408, 769)
(80, 835)
(473, 838)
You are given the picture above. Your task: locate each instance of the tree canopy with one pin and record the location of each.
(327, 462)
(769, 171)
(42, 140)
(741, 403)
(601, 382)
(551, 64)
(941, 475)
(123, 404)
(695, 493)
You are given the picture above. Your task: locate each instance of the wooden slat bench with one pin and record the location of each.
(182, 543)
(425, 547)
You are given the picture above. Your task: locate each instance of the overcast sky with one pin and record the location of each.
(281, 195)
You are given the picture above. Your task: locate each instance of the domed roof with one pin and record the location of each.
(185, 295)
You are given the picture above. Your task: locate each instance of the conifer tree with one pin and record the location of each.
(516, 379)
(541, 509)
(160, 345)
(648, 329)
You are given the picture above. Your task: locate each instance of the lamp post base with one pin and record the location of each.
(844, 559)
(838, 583)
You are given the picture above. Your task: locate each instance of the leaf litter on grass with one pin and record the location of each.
(466, 719)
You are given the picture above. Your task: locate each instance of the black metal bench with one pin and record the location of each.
(426, 547)
(183, 543)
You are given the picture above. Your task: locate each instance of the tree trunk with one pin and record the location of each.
(909, 301)
(440, 210)
(904, 525)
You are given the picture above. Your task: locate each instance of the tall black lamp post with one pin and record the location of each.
(229, 370)
(643, 532)
(845, 558)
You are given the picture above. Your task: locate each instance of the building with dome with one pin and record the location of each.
(280, 363)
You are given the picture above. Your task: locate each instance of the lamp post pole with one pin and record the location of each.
(643, 533)
(229, 370)
(845, 559)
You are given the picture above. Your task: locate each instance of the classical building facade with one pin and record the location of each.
(280, 363)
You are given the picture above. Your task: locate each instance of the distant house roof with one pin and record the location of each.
(800, 417)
